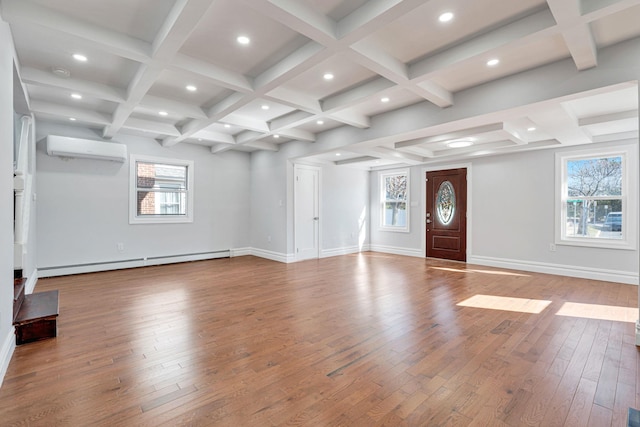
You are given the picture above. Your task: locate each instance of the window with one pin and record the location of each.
(596, 206)
(161, 191)
(394, 190)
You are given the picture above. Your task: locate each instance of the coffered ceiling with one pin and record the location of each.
(175, 70)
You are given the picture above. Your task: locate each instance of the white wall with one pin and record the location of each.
(344, 219)
(399, 242)
(512, 219)
(7, 338)
(344, 200)
(83, 205)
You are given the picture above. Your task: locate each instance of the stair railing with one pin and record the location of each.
(22, 182)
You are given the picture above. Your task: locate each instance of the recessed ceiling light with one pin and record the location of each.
(191, 88)
(385, 99)
(199, 139)
(459, 143)
(328, 76)
(163, 113)
(276, 136)
(320, 122)
(338, 154)
(79, 57)
(73, 119)
(243, 40)
(445, 17)
(265, 107)
(76, 96)
(493, 62)
(227, 125)
(531, 129)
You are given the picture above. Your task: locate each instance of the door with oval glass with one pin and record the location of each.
(446, 214)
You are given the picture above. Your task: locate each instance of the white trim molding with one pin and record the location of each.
(346, 250)
(30, 286)
(6, 352)
(273, 256)
(397, 250)
(240, 252)
(627, 277)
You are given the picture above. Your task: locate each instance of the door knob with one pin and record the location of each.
(428, 221)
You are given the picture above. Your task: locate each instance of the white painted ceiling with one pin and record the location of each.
(141, 55)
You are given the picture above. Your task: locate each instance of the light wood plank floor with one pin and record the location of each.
(358, 340)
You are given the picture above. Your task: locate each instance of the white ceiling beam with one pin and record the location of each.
(291, 120)
(417, 150)
(180, 108)
(248, 136)
(608, 118)
(512, 134)
(220, 148)
(373, 15)
(380, 61)
(390, 154)
(138, 87)
(633, 134)
(80, 114)
(576, 33)
(296, 63)
(294, 99)
(22, 12)
(356, 95)
(213, 136)
(96, 90)
(299, 17)
(247, 123)
(518, 32)
(151, 126)
(432, 92)
(175, 30)
(463, 133)
(297, 134)
(355, 160)
(263, 145)
(351, 118)
(220, 76)
(178, 25)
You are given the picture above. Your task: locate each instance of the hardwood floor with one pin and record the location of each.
(358, 340)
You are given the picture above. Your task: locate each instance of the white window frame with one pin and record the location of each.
(382, 201)
(134, 218)
(629, 156)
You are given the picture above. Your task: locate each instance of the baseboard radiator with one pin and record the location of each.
(64, 270)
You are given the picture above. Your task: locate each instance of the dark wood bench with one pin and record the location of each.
(36, 319)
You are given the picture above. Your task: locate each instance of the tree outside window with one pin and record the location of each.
(393, 201)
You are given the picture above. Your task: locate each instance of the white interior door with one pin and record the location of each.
(307, 212)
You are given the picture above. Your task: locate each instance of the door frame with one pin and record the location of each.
(423, 200)
(296, 168)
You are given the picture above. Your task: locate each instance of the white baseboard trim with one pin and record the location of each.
(558, 269)
(240, 252)
(326, 253)
(132, 263)
(30, 286)
(6, 352)
(274, 256)
(397, 250)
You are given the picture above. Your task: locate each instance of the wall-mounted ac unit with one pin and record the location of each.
(85, 148)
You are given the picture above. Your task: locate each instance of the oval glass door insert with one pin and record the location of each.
(445, 202)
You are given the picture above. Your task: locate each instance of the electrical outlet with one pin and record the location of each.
(268, 238)
(552, 247)
(120, 247)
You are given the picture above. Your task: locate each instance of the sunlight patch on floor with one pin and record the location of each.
(599, 312)
(492, 302)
